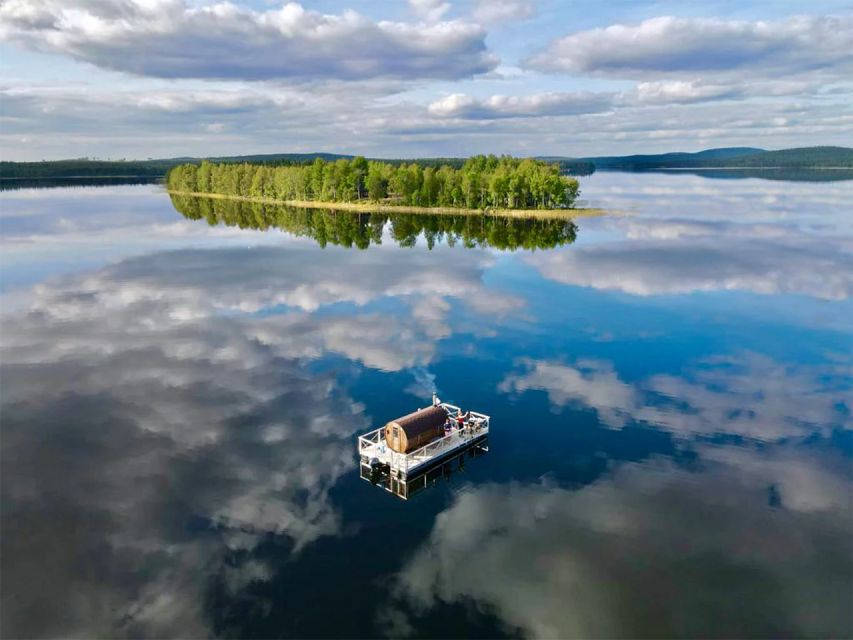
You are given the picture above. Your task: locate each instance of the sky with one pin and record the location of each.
(395, 78)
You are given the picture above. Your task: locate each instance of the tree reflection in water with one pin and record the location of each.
(360, 230)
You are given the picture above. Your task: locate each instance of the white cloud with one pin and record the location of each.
(649, 551)
(176, 118)
(678, 257)
(432, 313)
(748, 395)
(265, 117)
(429, 10)
(683, 91)
(172, 101)
(186, 286)
(376, 341)
(173, 39)
(644, 94)
(542, 104)
(242, 440)
(591, 384)
(691, 45)
(285, 277)
(287, 84)
(492, 11)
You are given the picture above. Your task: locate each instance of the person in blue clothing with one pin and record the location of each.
(448, 425)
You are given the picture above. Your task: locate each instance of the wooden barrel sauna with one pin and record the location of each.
(413, 431)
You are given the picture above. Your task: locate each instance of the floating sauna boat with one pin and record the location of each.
(413, 444)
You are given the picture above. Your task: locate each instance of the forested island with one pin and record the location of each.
(361, 230)
(482, 182)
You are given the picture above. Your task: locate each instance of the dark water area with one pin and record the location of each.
(671, 449)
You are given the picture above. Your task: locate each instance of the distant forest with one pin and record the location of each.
(805, 158)
(481, 182)
(84, 168)
(733, 157)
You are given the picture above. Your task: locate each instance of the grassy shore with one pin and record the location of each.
(378, 207)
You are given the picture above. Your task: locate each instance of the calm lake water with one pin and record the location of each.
(670, 388)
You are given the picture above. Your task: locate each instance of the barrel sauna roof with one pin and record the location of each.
(418, 422)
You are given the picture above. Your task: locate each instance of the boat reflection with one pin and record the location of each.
(406, 487)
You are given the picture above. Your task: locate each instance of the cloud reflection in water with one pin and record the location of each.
(650, 551)
(180, 424)
(679, 257)
(747, 395)
(161, 414)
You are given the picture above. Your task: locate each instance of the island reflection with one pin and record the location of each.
(361, 230)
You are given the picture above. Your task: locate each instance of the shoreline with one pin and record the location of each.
(368, 207)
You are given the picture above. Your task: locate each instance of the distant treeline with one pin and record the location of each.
(746, 157)
(361, 230)
(84, 168)
(803, 158)
(481, 182)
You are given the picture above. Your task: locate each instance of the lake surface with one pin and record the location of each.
(670, 392)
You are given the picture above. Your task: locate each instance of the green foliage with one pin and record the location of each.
(481, 182)
(350, 229)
